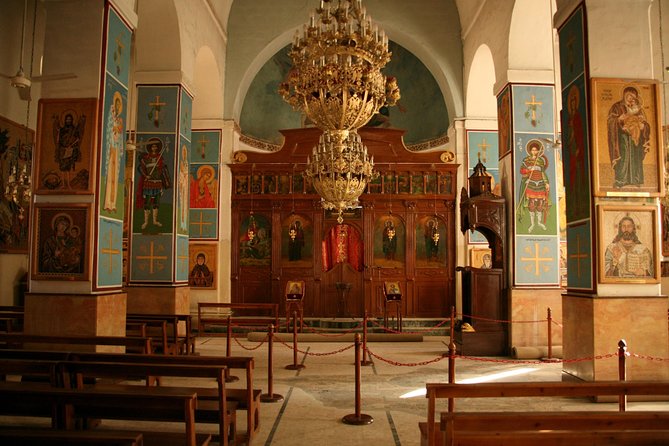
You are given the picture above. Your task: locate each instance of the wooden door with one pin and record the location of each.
(342, 278)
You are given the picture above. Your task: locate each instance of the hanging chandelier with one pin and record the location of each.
(340, 170)
(336, 81)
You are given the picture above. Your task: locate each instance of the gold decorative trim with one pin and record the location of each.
(429, 144)
(259, 144)
(447, 157)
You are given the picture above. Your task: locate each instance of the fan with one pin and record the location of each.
(20, 80)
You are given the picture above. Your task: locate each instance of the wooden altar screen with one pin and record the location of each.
(404, 230)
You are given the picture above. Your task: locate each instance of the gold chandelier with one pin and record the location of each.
(336, 81)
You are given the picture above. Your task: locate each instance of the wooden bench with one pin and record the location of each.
(251, 314)
(19, 340)
(73, 373)
(546, 428)
(178, 344)
(247, 398)
(140, 403)
(11, 319)
(32, 436)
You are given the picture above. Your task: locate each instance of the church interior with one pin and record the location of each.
(469, 172)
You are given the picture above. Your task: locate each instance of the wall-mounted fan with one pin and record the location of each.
(22, 81)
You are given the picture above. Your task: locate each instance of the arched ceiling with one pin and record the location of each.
(257, 29)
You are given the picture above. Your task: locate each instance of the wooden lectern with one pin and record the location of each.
(484, 300)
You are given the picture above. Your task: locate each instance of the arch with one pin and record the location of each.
(158, 37)
(207, 85)
(433, 36)
(481, 101)
(531, 36)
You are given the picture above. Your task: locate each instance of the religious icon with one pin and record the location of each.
(389, 240)
(392, 290)
(66, 127)
(114, 142)
(203, 187)
(153, 181)
(200, 275)
(61, 235)
(182, 184)
(255, 244)
(533, 199)
(630, 254)
(432, 239)
(294, 289)
(627, 155)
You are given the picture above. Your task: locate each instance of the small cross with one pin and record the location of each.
(183, 261)
(579, 255)
(111, 251)
(200, 223)
(536, 259)
(203, 145)
(570, 54)
(484, 149)
(119, 42)
(151, 257)
(155, 107)
(532, 105)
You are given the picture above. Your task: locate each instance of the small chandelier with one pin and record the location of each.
(336, 81)
(340, 170)
(18, 187)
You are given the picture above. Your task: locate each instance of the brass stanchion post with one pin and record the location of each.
(295, 365)
(357, 418)
(228, 352)
(270, 396)
(622, 372)
(365, 359)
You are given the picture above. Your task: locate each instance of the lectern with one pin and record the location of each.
(484, 300)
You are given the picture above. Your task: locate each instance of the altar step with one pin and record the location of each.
(329, 325)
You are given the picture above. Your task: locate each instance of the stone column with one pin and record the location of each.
(159, 262)
(530, 167)
(76, 257)
(613, 287)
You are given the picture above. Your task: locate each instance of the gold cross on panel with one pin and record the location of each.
(201, 223)
(151, 257)
(537, 260)
(579, 255)
(183, 261)
(111, 251)
(483, 154)
(203, 145)
(533, 105)
(155, 106)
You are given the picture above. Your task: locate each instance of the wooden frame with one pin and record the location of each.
(631, 260)
(294, 290)
(61, 242)
(613, 129)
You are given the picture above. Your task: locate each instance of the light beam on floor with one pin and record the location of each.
(478, 379)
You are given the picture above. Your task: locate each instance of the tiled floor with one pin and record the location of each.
(319, 395)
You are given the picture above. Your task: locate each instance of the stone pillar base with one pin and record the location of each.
(160, 300)
(532, 305)
(593, 325)
(76, 315)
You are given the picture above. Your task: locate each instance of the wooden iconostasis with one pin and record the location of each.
(403, 231)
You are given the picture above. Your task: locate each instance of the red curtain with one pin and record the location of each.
(342, 243)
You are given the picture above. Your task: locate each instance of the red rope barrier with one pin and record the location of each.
(251, 348)
(404, 364)
(343, 349)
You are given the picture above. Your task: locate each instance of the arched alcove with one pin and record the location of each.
(157, 38)
(208, 90)
(531, 36)
(481, 101)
